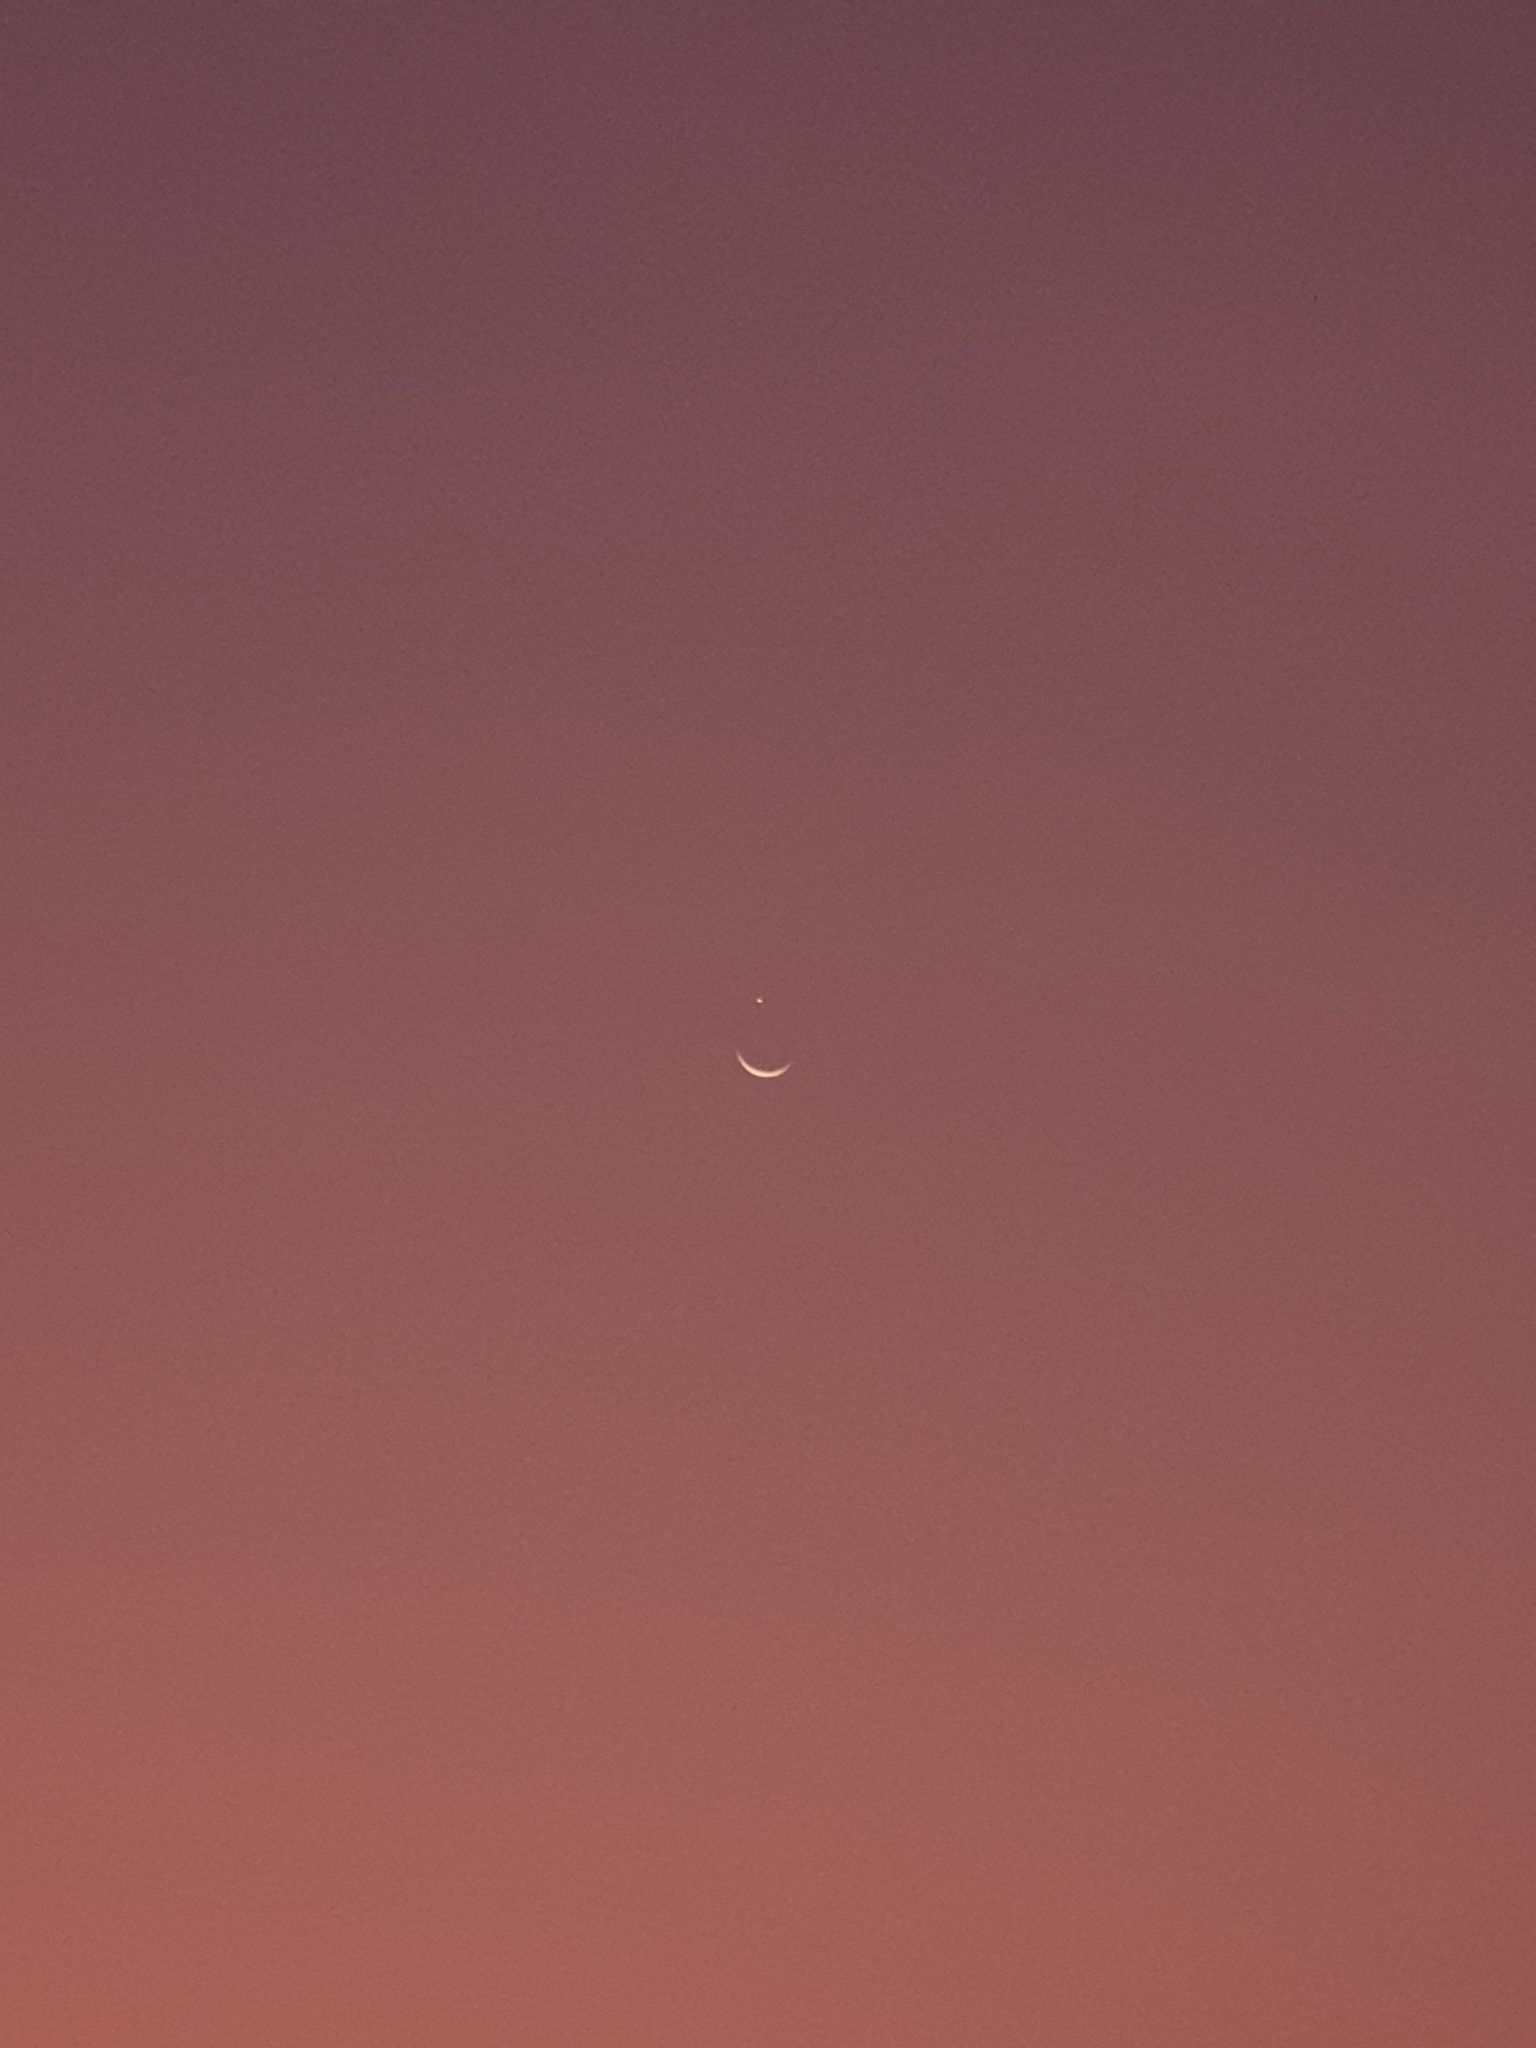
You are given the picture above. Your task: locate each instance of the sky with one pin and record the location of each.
(979, 550)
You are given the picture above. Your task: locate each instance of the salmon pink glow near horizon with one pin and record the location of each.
(979, 550)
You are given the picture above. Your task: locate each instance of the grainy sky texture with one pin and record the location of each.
(1005, 531)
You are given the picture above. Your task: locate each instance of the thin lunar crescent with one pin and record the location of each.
(763, 1073)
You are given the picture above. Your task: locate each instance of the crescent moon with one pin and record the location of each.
(763, 1073)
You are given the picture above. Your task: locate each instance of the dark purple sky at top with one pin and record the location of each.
(1005, 531)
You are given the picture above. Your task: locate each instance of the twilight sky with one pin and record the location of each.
(1005, 531)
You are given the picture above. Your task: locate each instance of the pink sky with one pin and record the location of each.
(1005, 532)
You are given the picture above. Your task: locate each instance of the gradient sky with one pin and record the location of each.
(1004, 531)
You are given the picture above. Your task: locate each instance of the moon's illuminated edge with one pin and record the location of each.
(763, 1073)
